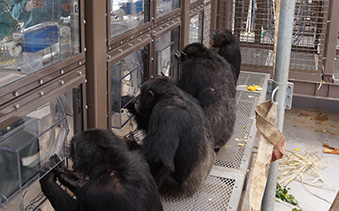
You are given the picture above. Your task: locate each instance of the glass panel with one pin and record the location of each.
(127, 15)
(126, 79)
(166, 45)
(166, 6)
(34, 36)
(196, 28)
(27, 144)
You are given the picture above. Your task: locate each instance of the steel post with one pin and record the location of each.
(282, 63)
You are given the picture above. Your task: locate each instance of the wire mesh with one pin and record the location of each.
(231, 155)
(253, 24)
(214, 194)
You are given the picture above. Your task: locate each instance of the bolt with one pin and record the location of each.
(85, 81)
(84, 21)
(16, 106)
(109, 48)
(139, 40)
(79, 72)
(86, 107)
(152, 59)
(130, 44)
(121, 42)
(85, 49)
(120, 50)
(41, 93)
(109, 56)
(41, 81)
(62, 82)
(79, 63)
(16, 94)
(131, 37)
(62, 72)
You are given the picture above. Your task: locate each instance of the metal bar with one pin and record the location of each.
(96, 66)
(282, 63)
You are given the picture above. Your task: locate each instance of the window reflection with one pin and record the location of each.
(166, 46)
(166, 6)
(126, 78)
(127, 15)
(35, 34)
(196, 28)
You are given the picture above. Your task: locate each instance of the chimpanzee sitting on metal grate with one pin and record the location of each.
(117, 179)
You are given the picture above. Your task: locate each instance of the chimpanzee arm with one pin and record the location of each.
(59, 199)
(161, 142)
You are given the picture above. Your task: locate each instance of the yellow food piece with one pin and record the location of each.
(251, 88)
(296, 149)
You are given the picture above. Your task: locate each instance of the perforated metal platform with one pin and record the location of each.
(223, 187)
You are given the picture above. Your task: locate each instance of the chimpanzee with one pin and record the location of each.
(178, 145)
(227, 47)
(207, 77)
(105, 176)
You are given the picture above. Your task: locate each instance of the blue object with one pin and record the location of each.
(40, 38)
(133, 8)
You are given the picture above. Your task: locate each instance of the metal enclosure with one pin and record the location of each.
(158, 27)
(315, 31)
(41, 106)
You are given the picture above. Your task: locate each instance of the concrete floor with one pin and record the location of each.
(306, 127)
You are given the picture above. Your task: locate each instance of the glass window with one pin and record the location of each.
(166, 6)
(127, 15)
(126, 79)
(28, 143)
(34, 36)
(166, 45)
(196, 28)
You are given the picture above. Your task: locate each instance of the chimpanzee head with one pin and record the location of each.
(220, 37)
(151, 92)
(190, 51)
(95, 150)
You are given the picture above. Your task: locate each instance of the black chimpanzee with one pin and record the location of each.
(227, 47)
(117, 179)
(178, 145)
(207, 77)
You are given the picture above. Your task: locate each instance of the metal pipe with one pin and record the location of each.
(282, 63)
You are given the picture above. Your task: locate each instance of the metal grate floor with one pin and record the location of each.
(300, 61)
(223, 187)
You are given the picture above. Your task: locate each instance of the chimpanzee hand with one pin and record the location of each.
(72, 180)
(131, 143)
(46, 168)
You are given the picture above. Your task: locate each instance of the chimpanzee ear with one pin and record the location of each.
(149, 96)
(224, 37)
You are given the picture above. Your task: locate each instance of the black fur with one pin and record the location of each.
(207, 77)
(177, 142)
(118, 179)
(228, 48)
